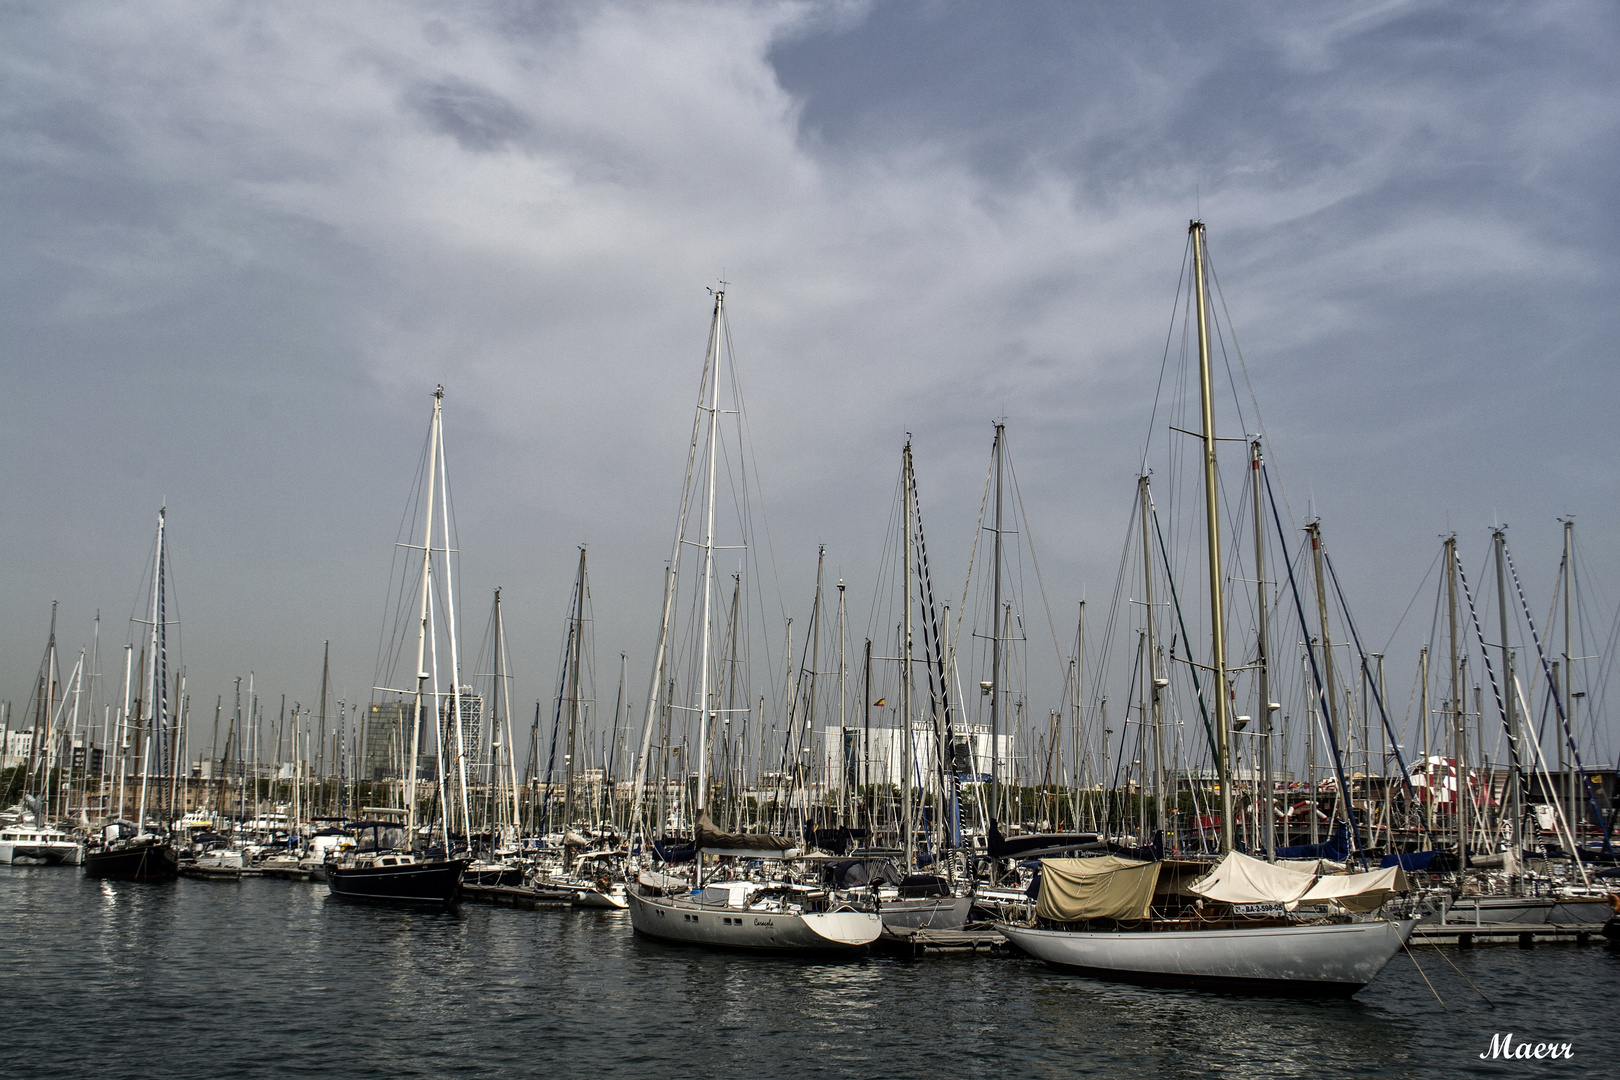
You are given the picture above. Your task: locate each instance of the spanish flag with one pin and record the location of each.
(878, 704)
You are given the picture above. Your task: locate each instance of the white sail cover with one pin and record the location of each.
(1240, 879)
(1358, 892)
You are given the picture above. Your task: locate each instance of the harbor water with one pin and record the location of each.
(265, 978)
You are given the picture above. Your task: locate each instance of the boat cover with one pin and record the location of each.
(1106, 887)
(1241, 879)
(744, 845)
(1358, 892)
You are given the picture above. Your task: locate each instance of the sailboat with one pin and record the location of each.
(384, 865)
(26, 836)
(1235, 928)
(749, 913)
(132, 850)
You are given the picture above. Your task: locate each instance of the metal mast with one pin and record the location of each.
(910, 842)
(1217, 609)
(843, 715)
(421, 638)
(1459, 730)
(1155, 683)
(1262, 662)
(1565, 767)
(1331, 694)
(995, 640)
(1510, 692)
(708, 563)
(575, 655)
(657, 701)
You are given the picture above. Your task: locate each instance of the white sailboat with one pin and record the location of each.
(1239, 928)
(757, 915)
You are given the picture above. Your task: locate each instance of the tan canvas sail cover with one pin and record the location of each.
(1240, 879)
(1106, 887)
(712, 841)
(1358, 892)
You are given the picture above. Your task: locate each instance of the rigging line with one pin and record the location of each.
(1326, 716)
(1203, 709)
(1490, 671)
(1164, 363)
(1243, 366)
(1029, 538)
(1609, 650)
(1418, 592)
(1220, 339)
(1547, 670)
(973, 553)
(1372, 684)
(748, 431)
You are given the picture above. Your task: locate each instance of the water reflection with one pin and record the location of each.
(306, 985)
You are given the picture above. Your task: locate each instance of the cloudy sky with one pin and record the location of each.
(242, 242)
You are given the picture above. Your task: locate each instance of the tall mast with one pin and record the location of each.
(1331, 694)
(1428, 759)
(455, 645)
(814, 647)
(421, 637)
(1262, 662)
(1217, 610)
(1510, 693)
(703, 703)
(1155, 684)
(503, 687)
(1074, 735)
(1458, 722)
(843, 715)
(910, 842)
(576, 653)
(995, 637)
(657, 683)
(1565, 767)
(151, 709)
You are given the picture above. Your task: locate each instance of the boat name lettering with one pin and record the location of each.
(764, 922)
(1501, 1047)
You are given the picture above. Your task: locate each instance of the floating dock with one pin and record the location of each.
(515, 896)
(1468, 935)
(981, 940)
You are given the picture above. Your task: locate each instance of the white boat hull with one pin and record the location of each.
(1328, 960)
(684, 921)
(41, 853)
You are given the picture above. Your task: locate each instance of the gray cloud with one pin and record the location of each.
(242, 247)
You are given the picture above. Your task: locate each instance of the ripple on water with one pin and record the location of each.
(272, 978)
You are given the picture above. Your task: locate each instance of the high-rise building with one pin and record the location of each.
(472, 724)
(387, 739)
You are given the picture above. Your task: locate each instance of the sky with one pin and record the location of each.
(244, 242)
